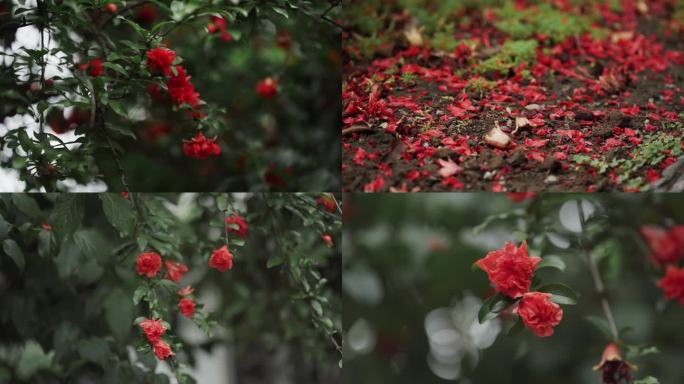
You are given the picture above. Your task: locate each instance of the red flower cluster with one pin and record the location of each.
(154, 330)
(327, 202)
(672, 283)
(94, 67)
(219, 24)
(267, 88)
(242, 227)
(160, 60)
(221, 259)
(181, 89)
(538, 313)
(510, 269)
(201, 147)
(667, 246)
(148, 264)
(174, 271)
(186, 307)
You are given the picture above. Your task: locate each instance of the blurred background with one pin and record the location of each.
(411, 298)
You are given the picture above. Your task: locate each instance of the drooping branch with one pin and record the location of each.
(596, 275)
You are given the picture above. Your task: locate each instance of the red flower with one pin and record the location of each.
(174, 271)
(613, 368)
(94, 67)
(187, 291)
(539, 314)
(510, 269)
(327, 240)
(154, 329)
(519, 197)
(181, 89)
(187, 307)
(267, 88)
(672, 283)
(240, 222)
(667, 247)
(221, 259)
(110, 7)
(201, 147)
(327, 202)
(160, 60)
(161, 350)
(147, 13)
(148, 264)
(124, 195)
(47, 227)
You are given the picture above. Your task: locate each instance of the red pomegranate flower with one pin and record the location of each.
(613, 368)
(539, 314)
(94, 67)
(181, 89)
(174, 271)
(327, 202)
(327, 240)
(153, 329)
(161, 350)
(240, 222)
(148, 264)
(187, 307)
(267, 88)
(221, 259)
(160, 60)
(510, 269)
(672, 283)
(201, 147)
(667, 246)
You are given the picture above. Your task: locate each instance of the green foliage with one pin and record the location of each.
(126, 138)
(654, 149)
(542, 20)
(511, 55)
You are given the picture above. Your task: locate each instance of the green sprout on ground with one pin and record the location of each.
(654, 149)
(543, 20)
(512, 54)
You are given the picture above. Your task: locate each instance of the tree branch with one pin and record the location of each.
(596, 276)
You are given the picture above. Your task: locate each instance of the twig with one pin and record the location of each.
(339, 208)
(596, 275)
(355, 129)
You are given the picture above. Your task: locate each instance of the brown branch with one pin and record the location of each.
(356, 128)
(596, 275)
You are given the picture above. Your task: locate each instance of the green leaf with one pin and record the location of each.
(95, 350)
(5, 228)
(552, 262)
(634, 351)
(115, 67)
(26, 204)
(12, 250)
(119, 212)
(601, 325)
(32, 360)
(274, 262)
(318, 309)
(516, 327)
(647, 380)
(492, 306)
(44, 243)
(139, 293)
(68, 259)
(119, 313)
(562, 294)
(67, 214)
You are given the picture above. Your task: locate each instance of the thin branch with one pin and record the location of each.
(339, 207)
(596, 275)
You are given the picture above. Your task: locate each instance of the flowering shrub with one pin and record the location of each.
(511, 288)
(110, 285)
(127, 95)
